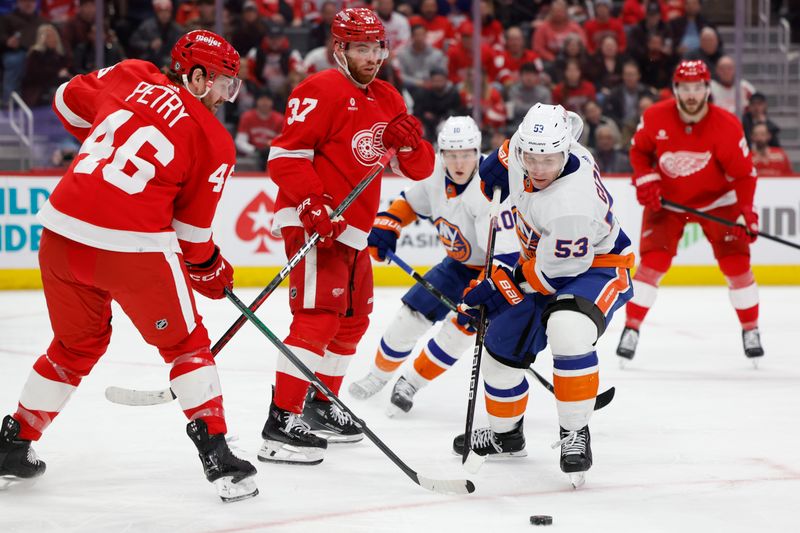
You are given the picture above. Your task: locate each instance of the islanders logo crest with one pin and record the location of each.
(455, 244)
(528, 237)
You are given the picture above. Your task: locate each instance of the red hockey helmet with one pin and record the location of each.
(689, 71)
(216, 55)
(357, 24)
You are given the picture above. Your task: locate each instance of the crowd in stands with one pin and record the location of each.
(606, 60)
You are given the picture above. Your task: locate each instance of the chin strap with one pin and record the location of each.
(341, 61)
(186, 85)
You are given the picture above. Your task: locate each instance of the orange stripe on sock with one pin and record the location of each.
(384, 364)
(576, 388)
(427, 368)
(506, 409)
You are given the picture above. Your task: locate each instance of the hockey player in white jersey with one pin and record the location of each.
(572, 275)
(452, 201)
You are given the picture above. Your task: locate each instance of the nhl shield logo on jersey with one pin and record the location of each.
(367, 145)
(453, 240)
(683, 163)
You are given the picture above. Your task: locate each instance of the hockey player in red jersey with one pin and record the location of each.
(130, 221)
(693, 153)
(339, 122)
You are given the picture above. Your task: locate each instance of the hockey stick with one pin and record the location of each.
(125, 396)
(603, 399)
(471, 460)
(724, 221)
(442, 486)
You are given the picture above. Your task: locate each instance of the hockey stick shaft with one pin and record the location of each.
(311, 377)
(483, 324)
(603, 399)
(724, 221)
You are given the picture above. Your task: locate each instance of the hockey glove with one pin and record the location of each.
(383, 236)
(498, 292)
(314, 213)
(748, 228)
(403, 131)
(494, 173)
(211, 277)
(648, 191)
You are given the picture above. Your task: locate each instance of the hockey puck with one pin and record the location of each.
(542, 520)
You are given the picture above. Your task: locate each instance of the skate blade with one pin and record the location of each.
(393, 411)
(280, 452)
(623, 362)
(6, 482)
(230, 492)
(360, 393)
(755, 361)
(577, 479)
(336, 438)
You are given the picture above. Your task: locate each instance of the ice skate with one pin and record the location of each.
(627, 345)
(576, 454)
(751, 339)
(366, 387)
(288, 439)
(234, 478)
(489, 444)
(402, 398)
(327, 421)
(18, 461)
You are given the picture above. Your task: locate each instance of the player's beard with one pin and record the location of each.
(697, 112)
(362, 77)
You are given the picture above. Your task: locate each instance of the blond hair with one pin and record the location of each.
(41, 39)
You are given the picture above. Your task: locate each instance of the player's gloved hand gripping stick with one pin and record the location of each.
(139, 397)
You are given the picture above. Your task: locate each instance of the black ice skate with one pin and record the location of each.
(233, 478)
(576, 454)
(329, 422)
(288, 439)
(402, 398)
(489, 444)
(627, 344)
(751, 340)
(17, 459)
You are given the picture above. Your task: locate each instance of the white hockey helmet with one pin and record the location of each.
(545, 129)
(459, 133)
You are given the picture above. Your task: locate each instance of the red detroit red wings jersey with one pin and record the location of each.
(701, 165)
(331, 138)
(151, 168)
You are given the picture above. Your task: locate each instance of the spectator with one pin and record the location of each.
(206, 16)
(601, 25)
(57, 12)
(609, 158)
(633, 12)
(437, 103)
(593, 119)
(459, 56)
(757, 114)
(573, 49)
(686, 29)
(45, 69)
(768, 160)
(514, 56)
(493, 107)
(320, 31)
(17, 34)
(672, 9)
(550, 35)
(440, 32)
(76, 30)
(574, 91)
(83, 59)
(250, 29)
(723, 92)
(398, 30)
(154, 38)
(526, 92)
(640, 33)
(257, 128)
(629, 128)
(417, 59)
(491, 29)
(657, 67)
(320, 58)
(710, 48)
(277, 66)
(516, 13)
(605, 68)
(277, 11)
(622, 104)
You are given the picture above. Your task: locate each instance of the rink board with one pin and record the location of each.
(244, 216)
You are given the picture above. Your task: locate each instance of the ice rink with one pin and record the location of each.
(696, 440)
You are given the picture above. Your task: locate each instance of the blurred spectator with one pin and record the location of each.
(574, 91)
(277, 66)
(633, 11)
(601, 25)
(398, 30)
(45, 68)
(417, 59)
(439, 101)
(459, 56)
(514, 56)
(768, 160)
(440, 30)
(622, 104)
(657, 67)
(17, 34)
(639, 34)
(250, 30)
(65, 153)
(493, 108)
(629, 128)
(757, 114)
(526, 92)
(186, 11)
(672, 9)
(593, 119)
(320, 30)
(550, 35)
(710, 48)
(83, 59)
(57, 12)
(320, 58)
(605, 68)
(76, 30)
(573, 49)
(491, 30)
(609, 158)
(686, 29)
(257, 128)
(516, 13)
(154, 38)
(278, 11)
(206, 16)
(723, 92)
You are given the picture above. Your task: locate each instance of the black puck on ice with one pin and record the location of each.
(542, 520)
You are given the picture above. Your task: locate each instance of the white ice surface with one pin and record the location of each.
(696, 440)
